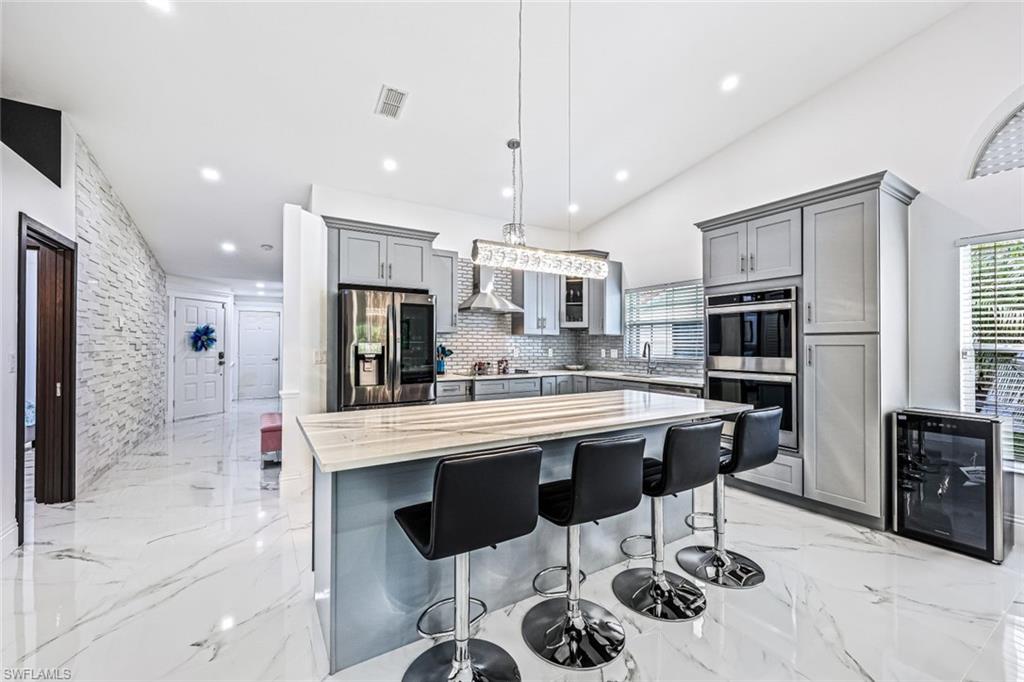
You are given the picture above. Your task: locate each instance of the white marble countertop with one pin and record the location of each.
(662, 379)
(343, 441)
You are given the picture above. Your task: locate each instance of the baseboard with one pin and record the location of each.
(9, 539)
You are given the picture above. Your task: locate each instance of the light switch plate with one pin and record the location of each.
(515, 351)
(615, 352)
(551, 352)
(603, 353)
(12, 363)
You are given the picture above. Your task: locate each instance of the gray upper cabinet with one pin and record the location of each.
(606, 302)
(444, 284)
(725, 255)
(382, 255)
(763, 248)
(363, 258)
(842, 437)
(773, 246)
(537, 293)
(841, 265)
(408, 262)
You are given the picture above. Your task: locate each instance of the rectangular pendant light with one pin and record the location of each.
(532, 259)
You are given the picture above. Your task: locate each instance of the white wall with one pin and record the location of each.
(23, 189)
(456, 230)
(914, 111)
(304, 346)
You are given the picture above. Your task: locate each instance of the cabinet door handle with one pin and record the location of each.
(809, 315)
(743, 263)
(382, 270)
(389, 270)
(810, 355)
(751, 262)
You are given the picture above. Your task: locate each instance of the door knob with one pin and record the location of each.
(274, 359)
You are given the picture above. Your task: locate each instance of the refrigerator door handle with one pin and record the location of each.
(393, 359)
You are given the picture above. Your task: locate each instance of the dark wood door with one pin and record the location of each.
(55, 368)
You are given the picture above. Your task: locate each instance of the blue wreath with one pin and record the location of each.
(203, 338)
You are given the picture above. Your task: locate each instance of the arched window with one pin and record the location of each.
(1003, 149)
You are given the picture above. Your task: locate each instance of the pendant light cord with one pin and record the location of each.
(519, 117)
(569, 126)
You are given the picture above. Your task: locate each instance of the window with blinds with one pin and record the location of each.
(670, 317)
(992, 332)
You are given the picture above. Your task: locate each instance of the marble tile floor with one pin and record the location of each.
(184, 563)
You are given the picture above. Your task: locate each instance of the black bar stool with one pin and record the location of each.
(690, 459)
(755, 443)
(479, 500)
(607, 479)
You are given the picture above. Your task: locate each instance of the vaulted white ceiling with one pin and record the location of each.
(281, 95)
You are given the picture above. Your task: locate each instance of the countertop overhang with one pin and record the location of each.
(343, 441)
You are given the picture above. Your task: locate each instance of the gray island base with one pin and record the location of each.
(371, 585)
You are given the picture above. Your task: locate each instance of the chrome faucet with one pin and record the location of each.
(651, 366)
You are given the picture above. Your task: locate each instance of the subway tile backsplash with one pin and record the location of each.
(488, 337)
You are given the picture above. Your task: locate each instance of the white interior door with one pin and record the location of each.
(198, 375)
(259, 339)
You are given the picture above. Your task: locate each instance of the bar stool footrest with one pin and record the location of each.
(554, 593)
(449, 632)
(635, 538)
(691, 521)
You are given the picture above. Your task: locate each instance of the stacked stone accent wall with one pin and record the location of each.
(122, 367)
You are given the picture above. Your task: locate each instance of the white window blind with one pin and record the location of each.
(992, 332)
(1004, 150)
(670, 317)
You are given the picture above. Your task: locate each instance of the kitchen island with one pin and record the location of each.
(371, 585)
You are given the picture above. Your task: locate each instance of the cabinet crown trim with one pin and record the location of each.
(884, 181)
(377, 228)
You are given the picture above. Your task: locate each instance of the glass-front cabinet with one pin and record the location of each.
(575, 303)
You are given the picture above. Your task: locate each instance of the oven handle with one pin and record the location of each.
(751, 376)
(727, 309)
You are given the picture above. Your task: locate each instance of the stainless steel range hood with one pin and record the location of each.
(483, 297)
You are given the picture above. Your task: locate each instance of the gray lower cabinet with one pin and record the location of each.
(453, 392)
(549, 385)
(566, 385)
(841, 265)
(842, 435)
(499, 389)
(579, 384)
(444, 284)
(363, 258)
(786, 473)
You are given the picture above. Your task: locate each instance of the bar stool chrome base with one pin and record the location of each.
(487, 663)
(672, 598)
(592, 639)
(720, 567)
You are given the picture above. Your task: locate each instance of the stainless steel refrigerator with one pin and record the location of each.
(386, 347)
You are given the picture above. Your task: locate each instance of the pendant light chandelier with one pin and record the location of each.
(513, 252)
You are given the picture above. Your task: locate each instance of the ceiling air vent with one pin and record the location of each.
(390, 102)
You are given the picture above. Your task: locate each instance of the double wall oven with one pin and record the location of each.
(752, 353)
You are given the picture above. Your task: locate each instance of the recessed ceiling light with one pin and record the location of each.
(210, 174)
(262, 293)
(507, 192)
(622, 175)
(574, 208)
(260, 285)
(390, 165)
(162, 5)
(228, 247)
(730, 82)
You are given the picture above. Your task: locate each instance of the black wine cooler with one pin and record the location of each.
(949, 488)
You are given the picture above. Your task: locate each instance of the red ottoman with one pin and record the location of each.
(270, 436)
